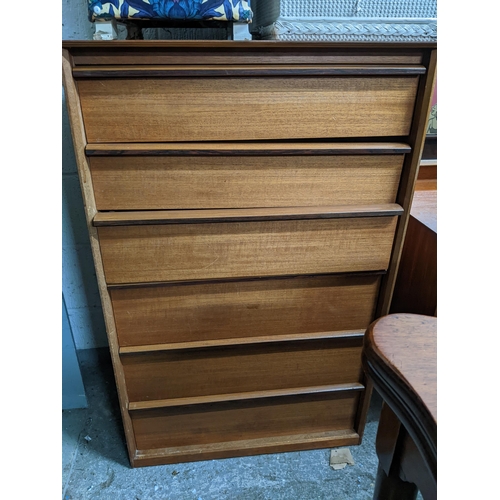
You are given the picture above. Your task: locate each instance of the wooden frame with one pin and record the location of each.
(91, 60)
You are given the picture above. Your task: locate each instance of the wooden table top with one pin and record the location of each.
(407, 344)
(424, 208)
(400, 356)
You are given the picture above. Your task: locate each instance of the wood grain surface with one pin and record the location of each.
(400, 357)
(195, 109)
(245, 447)
(245, 396)
(234, 303)
(404, 347)
(256, 148)
(134, 254)
(248, 52)
(409, 174)
(235, 421)
(424, 208)
(85, 178)
(416, 285)
(217, 215)
(246, 70)
(159, 182)
(225, 370)
(196, 312)
(240, 341)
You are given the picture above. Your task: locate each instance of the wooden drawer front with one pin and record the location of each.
(148, 182)
(235, 421)
(133, 254)
(226, 370)
(236, 109)
(201, 312)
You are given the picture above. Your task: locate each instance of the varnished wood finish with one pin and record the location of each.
(143, 218)
(80, 142)
(188, 109)
(244, 447)
(225, 370)
(240, 341)
(427, 177)
(252, 201)
(151, 284)
(387, 351)
(428, 170)
(239, 71)
(416, 285)
(399, 355)
(257, 52)
(409, 175)
(194, 149)
(133, 254)
(250, 420)
(424, 208)
(245, 396)
(155, 183)
(277, 307)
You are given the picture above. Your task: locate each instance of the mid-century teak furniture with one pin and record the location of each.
(247, 204)
(400, 358)
(415, 290)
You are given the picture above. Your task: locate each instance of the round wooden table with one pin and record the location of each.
(399, 356)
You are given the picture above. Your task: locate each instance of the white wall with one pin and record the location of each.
(79, 284)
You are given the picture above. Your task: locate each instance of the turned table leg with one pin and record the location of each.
(391, 446)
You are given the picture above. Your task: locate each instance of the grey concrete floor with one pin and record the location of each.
(95, 461)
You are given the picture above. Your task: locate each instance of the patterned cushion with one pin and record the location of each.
(179, 10)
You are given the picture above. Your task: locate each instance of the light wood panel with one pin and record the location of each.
(255, 52)
(258, 148)
(79, 143)
(196, 312)
(157, 182)
(233, 421)
(218, 109)
(143, 70)
(400, 355)
(244, 113)
(409, 174)
(244, 447)
(204, 216)
(225, 370)
(134, 254)
(245, 396)
(240, 341)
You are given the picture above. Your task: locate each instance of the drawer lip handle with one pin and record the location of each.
(248, 70)
(248, 149)
(245, 396)
(352, 335)
(159, 217)
(150, 284)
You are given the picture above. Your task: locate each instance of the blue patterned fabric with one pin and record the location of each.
(181, 10)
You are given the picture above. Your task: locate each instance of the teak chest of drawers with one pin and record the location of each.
(247, 204)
